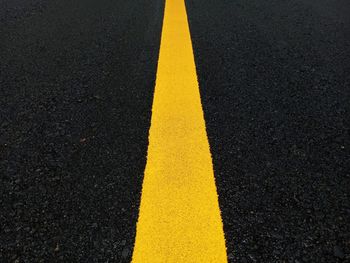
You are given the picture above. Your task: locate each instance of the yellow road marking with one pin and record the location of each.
(179, 218)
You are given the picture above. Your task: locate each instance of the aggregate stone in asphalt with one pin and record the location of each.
(76, 89)
(275, 84)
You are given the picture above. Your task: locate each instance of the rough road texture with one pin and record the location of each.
(275, 83)
(76, 87)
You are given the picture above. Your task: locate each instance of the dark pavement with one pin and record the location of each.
(275, 84)
(76, 86)
(77, 80)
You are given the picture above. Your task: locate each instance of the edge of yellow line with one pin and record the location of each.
(179, 217)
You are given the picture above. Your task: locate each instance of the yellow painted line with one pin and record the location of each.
(179, 218)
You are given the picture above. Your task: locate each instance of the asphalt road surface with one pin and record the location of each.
(77, 81)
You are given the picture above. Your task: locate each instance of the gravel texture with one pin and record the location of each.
(275, 84)
(76, 87)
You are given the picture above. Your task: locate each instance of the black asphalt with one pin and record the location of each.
(76, 86)
(77, 80)
(275, 84)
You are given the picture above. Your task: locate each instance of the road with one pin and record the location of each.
(77, 85)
